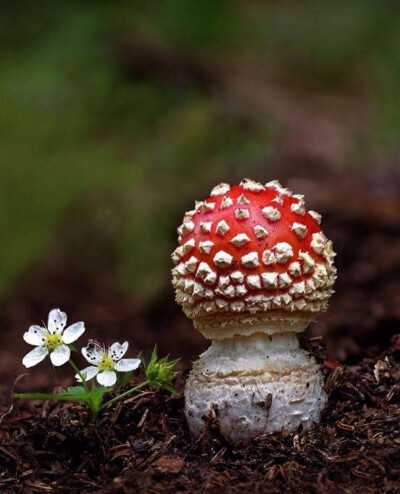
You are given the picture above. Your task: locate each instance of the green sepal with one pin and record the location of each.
(171, 389)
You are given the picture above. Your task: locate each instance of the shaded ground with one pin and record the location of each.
(144, 445)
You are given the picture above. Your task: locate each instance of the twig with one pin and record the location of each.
(11, 407)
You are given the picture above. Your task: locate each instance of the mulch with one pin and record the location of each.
(143, 444)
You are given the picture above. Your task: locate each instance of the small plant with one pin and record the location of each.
(108, 366)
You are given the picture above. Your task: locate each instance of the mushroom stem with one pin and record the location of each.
(255, 384)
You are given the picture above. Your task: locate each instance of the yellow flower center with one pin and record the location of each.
(53, 341)
(106, 363)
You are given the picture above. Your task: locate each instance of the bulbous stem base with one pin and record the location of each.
(254, 385)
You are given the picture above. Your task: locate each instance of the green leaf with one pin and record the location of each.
(124, 379)
(95, 400)
(74, 390)
(104, 389)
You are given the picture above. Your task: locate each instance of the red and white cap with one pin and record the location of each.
(252, 256)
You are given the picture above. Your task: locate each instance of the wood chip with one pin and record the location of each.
(169, 465)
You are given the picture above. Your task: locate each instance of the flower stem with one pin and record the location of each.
(123, 395)
(71, 363)
(44, 396)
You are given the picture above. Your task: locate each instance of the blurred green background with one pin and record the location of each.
(115, 116)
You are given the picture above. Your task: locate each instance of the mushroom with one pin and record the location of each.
(253, 268)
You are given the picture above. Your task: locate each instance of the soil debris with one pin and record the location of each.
(144, 445)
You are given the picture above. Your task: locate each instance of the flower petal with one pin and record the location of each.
(35, 356)
(117, 351)
(73, 332)
(127, 364)
(56, 321)
(93, 353)
(60, 355)
(88, 373)
(107, 378)
(35, 336)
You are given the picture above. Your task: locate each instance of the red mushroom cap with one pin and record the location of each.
(252, 250)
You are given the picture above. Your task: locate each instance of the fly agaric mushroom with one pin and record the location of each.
(253, 268)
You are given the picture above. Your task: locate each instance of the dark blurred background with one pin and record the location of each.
(116, 116)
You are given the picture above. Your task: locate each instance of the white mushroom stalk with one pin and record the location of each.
(253, 385)
(253, 268)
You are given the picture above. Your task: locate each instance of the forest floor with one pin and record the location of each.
(143, 444)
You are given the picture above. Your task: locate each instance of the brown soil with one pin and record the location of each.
(143, 445)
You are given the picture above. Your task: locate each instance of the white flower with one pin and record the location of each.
(53, 339)
(106, 362)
